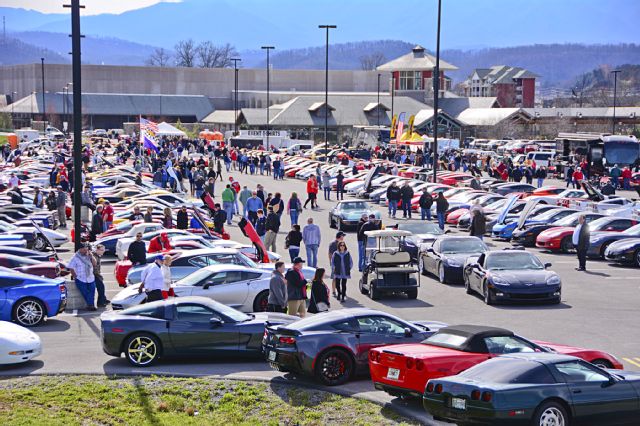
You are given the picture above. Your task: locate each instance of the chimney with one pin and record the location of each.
(418, 51)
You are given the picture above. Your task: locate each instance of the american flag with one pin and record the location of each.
(148, 132)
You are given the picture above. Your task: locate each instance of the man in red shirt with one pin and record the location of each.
(107, 215)
(578, 177)
(626, 178)
(312, 192)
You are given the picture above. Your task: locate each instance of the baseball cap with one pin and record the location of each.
(340, 234)
(298, 260)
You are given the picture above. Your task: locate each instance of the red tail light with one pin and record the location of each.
(373, 356)
(117, 330)
(430, 387)
(62, 288)
(475, 395)
(438, 388)
(52, 258)
(419, 365)
(410, 363)
(486, 396)
(287, 340)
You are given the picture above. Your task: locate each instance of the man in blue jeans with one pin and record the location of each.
(393, 195)
(81, 268)
(372, 224)
(311, 235)
(442, 205)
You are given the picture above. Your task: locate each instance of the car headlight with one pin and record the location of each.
(553, 280)
(453, 263)
(499, 281)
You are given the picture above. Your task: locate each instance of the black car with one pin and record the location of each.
(599, 241)
(624, 251)
(511, 275)
(446, 257)
(421, 233)
(532, 231)
(526, 236)
(334, 346)
(185, 326)
(512, 188)
(536, 389)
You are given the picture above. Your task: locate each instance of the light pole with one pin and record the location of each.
(378, 102)
(33, 95)
(235, 95)
(436, 93)
(267, 48)
(326, 90)
(44, 106)
(64, 102)
(615, 96)
(393, 91)
(13, 101)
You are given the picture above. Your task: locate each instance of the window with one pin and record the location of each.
(509, 370)
(200, 261)
(226, 277)
(410, 80)
(579, 372)
(146, 311)
(506, 345)
(447, 340)
(194, 313)
(250, 276)
(228, 259)
(346, 325)
(10, 282)
(380, 325)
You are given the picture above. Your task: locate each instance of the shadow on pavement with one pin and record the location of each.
(53, 325)
(20, 369)
(531, 307)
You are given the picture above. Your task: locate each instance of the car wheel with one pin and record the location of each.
(40, 244)
(602, 363)
(412, 293)
(421, 266)
(29, 312)
(566, 245)
(261, 301)
(334, 367)
(486, 294)
(361, 286)
(441, 273)
(142, 350)
(637, 257)
(331, 224)
(467, 285)
(551, 414)
(603, 249)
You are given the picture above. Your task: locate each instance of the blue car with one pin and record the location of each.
(505, 230)
(29, 300)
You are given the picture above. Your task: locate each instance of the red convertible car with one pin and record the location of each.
(34, 267)
(403, 370)
(559, 238)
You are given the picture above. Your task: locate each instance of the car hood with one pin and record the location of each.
(422, 238)
(126, 293)
(460, 257)
(624, 245)
(556, 232)
(12, 334)
(530, 277)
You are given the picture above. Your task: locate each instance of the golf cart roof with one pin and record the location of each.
(387, 233)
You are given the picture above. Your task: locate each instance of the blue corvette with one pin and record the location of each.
(505, 230)
(28, 299)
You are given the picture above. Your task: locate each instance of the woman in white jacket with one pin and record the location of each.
(166, 275)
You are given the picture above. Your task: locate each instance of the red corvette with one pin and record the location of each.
(403, 370)
(34, 267)
(453, 217)
(559, 238)
(454, 179)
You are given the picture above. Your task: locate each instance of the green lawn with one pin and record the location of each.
(96, 400)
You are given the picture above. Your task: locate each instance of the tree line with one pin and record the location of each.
(189, 54)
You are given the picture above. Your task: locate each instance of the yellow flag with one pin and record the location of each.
(413, 117)
(394, 120)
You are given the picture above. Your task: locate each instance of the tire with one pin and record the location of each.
(29, 312)
(550, 413)
(442, 275)
(40, 243)
(361, 286)
(486, 295)
(603, 249)
(412, 293)
(142, 350)
(637, 257)
(421, 266)
(566, 245)
(373, 292)
(334, 367)
(467, 285)
(331, 224)
(261, 301)
(602, 363)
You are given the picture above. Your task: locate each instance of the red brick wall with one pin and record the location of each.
(528, 92)
(506, 94)
(396, 76)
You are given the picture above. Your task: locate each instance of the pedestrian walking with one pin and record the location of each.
(319, 300)
(272, 226)
(425, 201)
(228, 200)
(61, 206)
(277, 301)
(244, 196)
(442, 205)
(153, 280)
(478, 223)
(333, 246)
(312, 192)
(261, 225)
(340, 186)
(294, 206)
(292, 241)
(580, 240)
(393, 196)
(341, 264)
(81, 267)
(296, 289)
(541, 175)
(406, 194)
(372, 224)
(326, 185)
(311, 236)
(253, 205)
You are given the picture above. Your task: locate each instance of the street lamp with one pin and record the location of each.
(267, 48)
(235, 94)
(436, 93)
(13, 101)
(326, 90)
(378, 102)
(64, 101)
(615, 95)
(44, 106)
(393, 91)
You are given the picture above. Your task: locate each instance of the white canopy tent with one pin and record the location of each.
(166, 129)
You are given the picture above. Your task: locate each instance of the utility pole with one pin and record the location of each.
(235, 94)
(393, 92)
(326, 91)
(267, 48)
(436, 94)
(615, 96)
(77, 118)
(44, 105)
(378, 107)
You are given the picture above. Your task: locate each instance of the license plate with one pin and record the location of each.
(459, 403)
(393, 374)
(272, 355)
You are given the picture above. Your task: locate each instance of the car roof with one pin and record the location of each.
(227, 267)
(208, 250)
(541, 357)
(469, 330)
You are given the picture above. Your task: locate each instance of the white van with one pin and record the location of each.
(542, 158)
(298, 148)
(27, 135)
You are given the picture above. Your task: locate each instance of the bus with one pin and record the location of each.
(600, 149)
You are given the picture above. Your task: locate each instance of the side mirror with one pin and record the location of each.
(407, 332)
(215, 322)
(547, 265)
(447, 231)
(612, 381)
(430, 250)
(206, 286)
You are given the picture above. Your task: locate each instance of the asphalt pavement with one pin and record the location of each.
(598, 310)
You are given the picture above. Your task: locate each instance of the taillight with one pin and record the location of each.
(264, 336)
(419, 365)
(410, 363)
(52, 258)
(438, 388)
(486, 396)
(475, 395)
(374, 356)
(117, 330)
(62, 288)
(430, 387)
(287, 340)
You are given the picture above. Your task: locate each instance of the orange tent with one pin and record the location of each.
(10, 138)
(211, 135)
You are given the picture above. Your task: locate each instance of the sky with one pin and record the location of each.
(94, 7)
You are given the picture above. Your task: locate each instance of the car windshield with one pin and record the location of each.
(421, 228)
(634, 230)
(356, 205)
(195, 278)
(7, 226)
(513, 261)
(549, 214)
(509, 370)
(599, 224)
(497, 205)
(250, 263)
(228, 312)
(447, 339)
(570, 220)
(467, 245)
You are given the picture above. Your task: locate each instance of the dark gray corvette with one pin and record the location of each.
(446, 257)
(334, 346)
(185, 326)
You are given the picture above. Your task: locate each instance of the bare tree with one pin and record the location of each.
(371, 62)
(212, 56)
(186, 52)
(159, 58)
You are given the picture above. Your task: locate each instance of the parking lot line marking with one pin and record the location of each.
(630, 361)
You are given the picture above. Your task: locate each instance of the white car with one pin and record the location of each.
(246, 289)
(17, 344)
(55, 238)
(122, 246)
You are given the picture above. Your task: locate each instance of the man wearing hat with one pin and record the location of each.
(81, 266)
(333, 247)
(371, 225)
(153, 280)
(296, 289)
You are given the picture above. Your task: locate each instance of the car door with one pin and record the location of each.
(379, 330)
(192, 333)
(598, 398)
(477, 274)
(226, 287)
(430, 258)
(7, 285)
